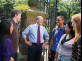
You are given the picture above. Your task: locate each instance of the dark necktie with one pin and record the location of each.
(38, 35)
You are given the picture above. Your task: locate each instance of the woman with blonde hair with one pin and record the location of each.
(76, 47)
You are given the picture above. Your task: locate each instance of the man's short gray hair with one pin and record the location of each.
(38, 17)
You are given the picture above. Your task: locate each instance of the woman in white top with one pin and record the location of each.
(64, 48)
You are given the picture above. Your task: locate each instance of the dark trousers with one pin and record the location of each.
(52, 55)
(14, 55)
(58, 60)
(34, 52)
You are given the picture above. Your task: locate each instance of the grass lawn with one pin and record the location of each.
(21, 57)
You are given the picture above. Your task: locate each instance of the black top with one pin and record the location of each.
(65, 40)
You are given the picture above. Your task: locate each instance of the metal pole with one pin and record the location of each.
(49, 14)
(44, 6)
(55, 11)
(47, 6)
(53, 21)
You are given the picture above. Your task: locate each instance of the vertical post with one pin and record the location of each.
(47, 6)
(47, 12)
(49, 15)
(55, 12)
(44, 6)
(53, 21)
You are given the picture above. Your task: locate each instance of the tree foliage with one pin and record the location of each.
(41, 5)
(66, 8)
(22, 7)
(69, 8)
(6, 6)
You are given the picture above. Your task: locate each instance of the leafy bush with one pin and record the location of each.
(22, 7)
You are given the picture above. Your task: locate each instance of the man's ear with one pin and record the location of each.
(36, 20)
(15, 15)
(63, 21)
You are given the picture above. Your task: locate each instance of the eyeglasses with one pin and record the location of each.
(58, 20)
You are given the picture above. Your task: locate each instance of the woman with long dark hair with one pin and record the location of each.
(6, 28)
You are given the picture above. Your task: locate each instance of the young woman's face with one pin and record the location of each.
(67, 29)
(11, 28)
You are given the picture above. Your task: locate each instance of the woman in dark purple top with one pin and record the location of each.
(6, 50)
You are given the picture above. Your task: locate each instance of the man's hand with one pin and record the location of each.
(55, 59)
(49, 53)
(11, 59)
(29, 43)
(56, 55)
(43, 46)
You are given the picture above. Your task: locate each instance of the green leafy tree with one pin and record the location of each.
(6, 6)
(1, 6)
(22, 7)
(69, 8)
(41, 5)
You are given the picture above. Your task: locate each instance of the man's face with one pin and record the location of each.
(40, 21)
(18, 17)
(59, 21)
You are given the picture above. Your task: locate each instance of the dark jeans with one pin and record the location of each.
(34, 52)
(58, 60)
(52, 55)
(14, 55)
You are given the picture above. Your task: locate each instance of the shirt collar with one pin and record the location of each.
(37, 25)
(14, 22)
(62, 28)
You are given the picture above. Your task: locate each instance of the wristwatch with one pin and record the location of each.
(46, 42)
